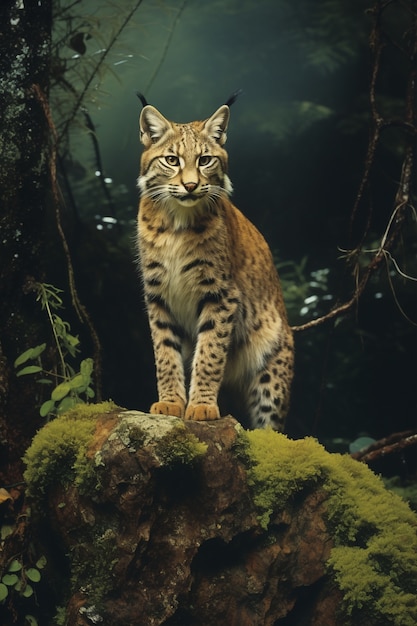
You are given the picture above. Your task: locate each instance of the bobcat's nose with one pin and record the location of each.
(190, 186)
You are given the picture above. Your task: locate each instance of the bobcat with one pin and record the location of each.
(212, 291)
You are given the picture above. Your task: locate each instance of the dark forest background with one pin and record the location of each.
(322, 154)
(322, 147)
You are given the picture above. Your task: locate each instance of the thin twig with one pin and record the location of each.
(97, 67)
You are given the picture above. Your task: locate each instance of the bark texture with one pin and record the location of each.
(25, 39)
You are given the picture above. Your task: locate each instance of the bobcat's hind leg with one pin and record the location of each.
(269, 391)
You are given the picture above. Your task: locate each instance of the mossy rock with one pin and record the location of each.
(61, 451)
(374, 558)
(58, 452)
(372, 531)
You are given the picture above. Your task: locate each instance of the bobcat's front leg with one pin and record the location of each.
(166, 338)
(215, 326)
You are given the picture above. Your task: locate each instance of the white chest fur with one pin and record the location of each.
(179, 288)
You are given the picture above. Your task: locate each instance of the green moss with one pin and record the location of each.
(60, 617)
(92, 563)
(279, 468)
(179, 447)
(58, 454)
(58, 450)
(375, 533)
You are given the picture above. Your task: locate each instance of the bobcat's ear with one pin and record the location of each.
(153, 125)
(216, 125)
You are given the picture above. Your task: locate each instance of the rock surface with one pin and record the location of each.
(163, 528)
(180, 543)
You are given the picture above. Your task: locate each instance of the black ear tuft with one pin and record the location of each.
(233, 97)
(142, 98)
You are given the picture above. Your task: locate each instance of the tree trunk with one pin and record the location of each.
(25, 42)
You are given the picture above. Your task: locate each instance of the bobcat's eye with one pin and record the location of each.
(170, 159)
(205, 159)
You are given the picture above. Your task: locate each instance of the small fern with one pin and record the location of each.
(71, 386)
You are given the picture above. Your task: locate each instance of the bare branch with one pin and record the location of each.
(394, 444)
(403, 197)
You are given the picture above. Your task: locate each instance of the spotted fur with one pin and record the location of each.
(212, 291)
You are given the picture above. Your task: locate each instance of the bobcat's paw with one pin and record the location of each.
(167, 408)
(202, 412)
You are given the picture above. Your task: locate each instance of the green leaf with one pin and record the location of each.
(5, 531)
(32, 621)
(86, 367)
(33, 574)
(48, 294)
(61, 391)
(37, 350)
(29, 369)
(68, 403)
(78, 382)
(44, 381)
(41, 562)
(72, 340)
(25, 356)
(28, 591)
(10, 580)
(46, 408)
(90, 392)
(15, 566)
(32, 353)
(71, 343)
(4, 592)
(61, 327)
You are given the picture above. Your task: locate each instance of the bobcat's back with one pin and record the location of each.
(211, 288)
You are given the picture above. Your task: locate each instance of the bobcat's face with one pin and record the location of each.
(183, 166)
